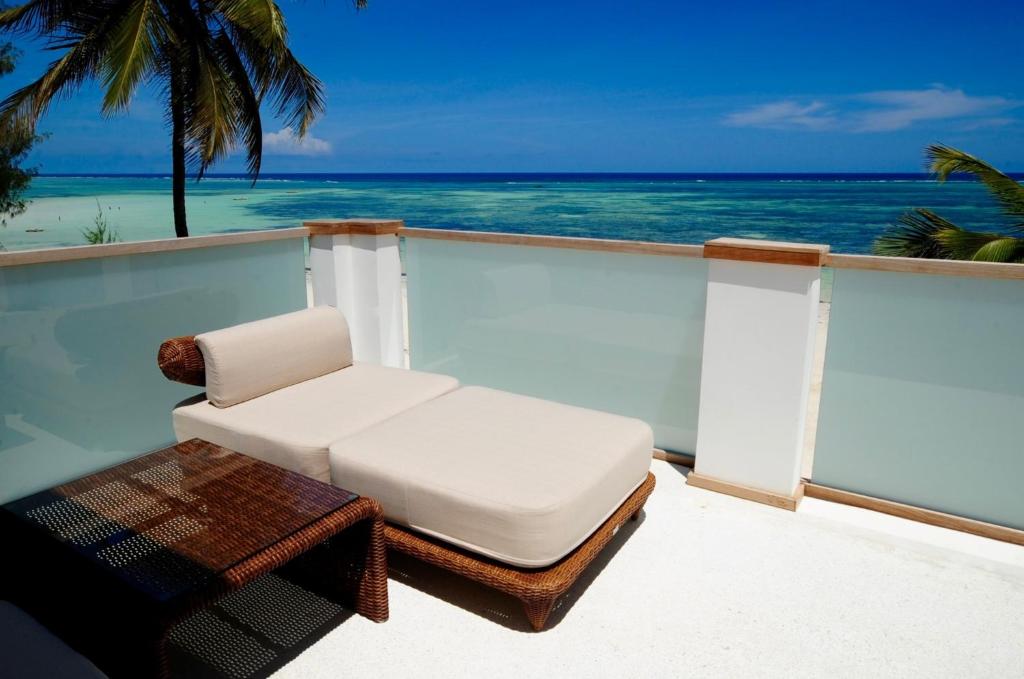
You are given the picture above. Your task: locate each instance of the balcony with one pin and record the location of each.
(903, 556)
(711, 585)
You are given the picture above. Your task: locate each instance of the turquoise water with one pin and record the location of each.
(845, 211)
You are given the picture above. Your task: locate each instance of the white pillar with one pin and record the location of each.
(356, 268)
(762, 312)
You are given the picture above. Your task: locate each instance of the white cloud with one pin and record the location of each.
(285, 142)
(898, 109)
(879, 111)
(783, 115)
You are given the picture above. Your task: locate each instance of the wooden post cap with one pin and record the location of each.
(766, 251)
(354, 226)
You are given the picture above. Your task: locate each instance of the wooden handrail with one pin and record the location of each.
(50, 255)
(353, 227)
(940, 267)
(943, 267)
(592, 244)
(765, 251)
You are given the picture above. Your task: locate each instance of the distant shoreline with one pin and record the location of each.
(554, 176)
(847, 211)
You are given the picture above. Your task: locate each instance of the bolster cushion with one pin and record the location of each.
(181, 361)
(253, 359)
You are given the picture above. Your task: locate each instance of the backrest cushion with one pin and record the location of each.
(252, 359)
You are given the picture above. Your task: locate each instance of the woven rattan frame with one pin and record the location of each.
(370, 585)
(537, 588)
(181, 361)
(343, 557)
(133, 642)
(361, 584)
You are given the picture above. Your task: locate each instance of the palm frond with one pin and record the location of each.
(978, 246)
(204, 94)
(914, 235)
(922, 233)
(1004, 249)
(131, 54)
(212, 122)
(260, 18)
(38, 16)
(247, 104)
(296, 94)
(25, 105)
(945, 160)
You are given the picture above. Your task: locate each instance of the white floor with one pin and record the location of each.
(706, 585)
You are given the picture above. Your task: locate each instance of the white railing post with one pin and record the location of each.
(356, 267)
(762, 312)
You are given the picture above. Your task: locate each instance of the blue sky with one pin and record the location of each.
(613, 86)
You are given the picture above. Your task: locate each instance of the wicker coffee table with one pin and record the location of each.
(124, 561)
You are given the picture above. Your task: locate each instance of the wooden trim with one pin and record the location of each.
(49, 255)
(682, 459)
(941, 267)
(747, 493)
(591, 244)
(929, 516)
(353, 227)
(765, 251)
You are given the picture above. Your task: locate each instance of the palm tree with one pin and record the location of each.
(922, 233)
(215, 62)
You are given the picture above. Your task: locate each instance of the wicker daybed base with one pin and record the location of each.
(537, 588)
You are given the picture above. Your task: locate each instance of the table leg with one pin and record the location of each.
(372, 596)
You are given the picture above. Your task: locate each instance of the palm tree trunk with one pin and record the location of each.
(178, 158)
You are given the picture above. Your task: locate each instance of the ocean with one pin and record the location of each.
(846, 211)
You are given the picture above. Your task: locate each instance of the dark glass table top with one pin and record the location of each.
(168, 522)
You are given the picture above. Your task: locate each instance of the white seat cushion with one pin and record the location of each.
(294, 426)
(518, 479)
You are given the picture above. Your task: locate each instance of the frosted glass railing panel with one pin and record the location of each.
(79, 385)
(923, 393)
(613, 331)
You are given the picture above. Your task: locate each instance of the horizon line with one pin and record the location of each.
(244, 175)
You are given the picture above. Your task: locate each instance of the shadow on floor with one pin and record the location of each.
(252, 633)
(680, 469)
(489, 603)
(255, 631)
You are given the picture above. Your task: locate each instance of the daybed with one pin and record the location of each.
(515, 492)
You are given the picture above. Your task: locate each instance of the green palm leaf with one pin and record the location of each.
(261, 18)
(922, 233)
(986, 247)
(915, 236)
(246, 102)
(944, 161)
(27, 104)
(1001, 249)
(39, 16)
(131, 54)
(296, 94)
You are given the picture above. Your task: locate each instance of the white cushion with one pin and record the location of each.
(253, 359)
(518, 479)
(293, 427)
